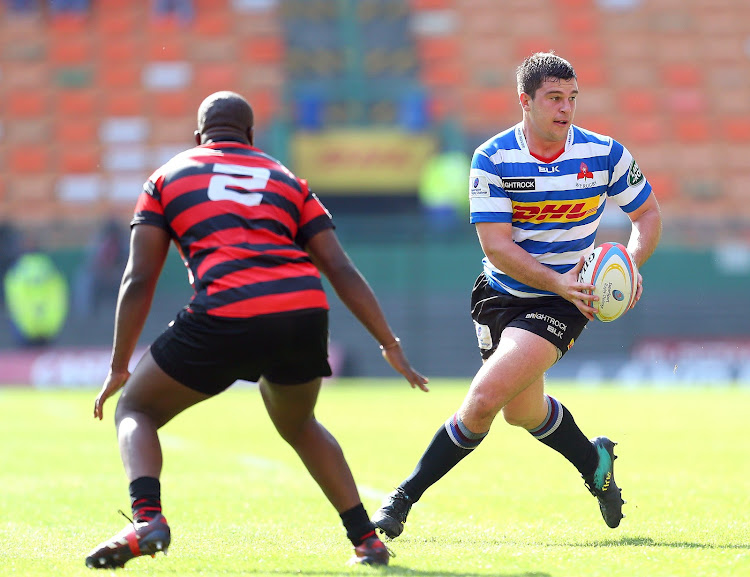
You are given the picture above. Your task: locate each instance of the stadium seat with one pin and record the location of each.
(25, 75)
(171, 104)
(31, 197)
(682, 75)
(211, 77)
(213, 23)
(645, 129)
(640, 101)
(28, 160)
(27, 104)
(578, 23)
(68, 24)
(443, 75)
(737, 130)
(124, 102)
(80, 130)
(79, 159)
(116, 26)
(582, 49)
(592, 74)
(116, 77)
(263, 49)
(663, 185)
(28, 131)
(119, 50)
(437, 48)
(168, 47)
(78, 103)
(75, 49)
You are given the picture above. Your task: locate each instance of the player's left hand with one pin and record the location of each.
(639, 291)
(113, 383)
(397, 359)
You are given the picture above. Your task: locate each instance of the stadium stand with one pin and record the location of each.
(671, 84)
(75, 84)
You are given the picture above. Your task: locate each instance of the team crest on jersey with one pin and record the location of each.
(584, 173)
(635, 176)
(585, 178)
(478, 187)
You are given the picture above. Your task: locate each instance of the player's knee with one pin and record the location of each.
(295, 431)
(517, 419)
(481, 407)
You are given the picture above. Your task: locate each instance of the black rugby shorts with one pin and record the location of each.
(208, 353)
(552, 318)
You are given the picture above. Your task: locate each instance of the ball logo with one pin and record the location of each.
(618, 295)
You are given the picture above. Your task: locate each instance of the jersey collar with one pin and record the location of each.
(524, 146)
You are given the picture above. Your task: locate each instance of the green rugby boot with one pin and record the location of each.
(602, 483)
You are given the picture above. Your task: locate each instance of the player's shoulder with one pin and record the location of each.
(585, 136)
(590, 143)
(505, 140)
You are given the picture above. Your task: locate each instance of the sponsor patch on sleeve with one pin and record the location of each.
(635, 176)
(478, 187)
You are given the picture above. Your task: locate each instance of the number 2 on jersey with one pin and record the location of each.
(237, 182)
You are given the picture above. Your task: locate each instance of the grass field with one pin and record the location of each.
(240, 503)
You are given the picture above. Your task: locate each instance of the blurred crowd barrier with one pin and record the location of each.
(695, 303)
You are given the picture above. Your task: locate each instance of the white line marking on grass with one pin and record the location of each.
(371, 493)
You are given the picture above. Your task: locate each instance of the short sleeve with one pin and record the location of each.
(314, 217)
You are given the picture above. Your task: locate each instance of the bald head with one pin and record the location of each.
(224, 116)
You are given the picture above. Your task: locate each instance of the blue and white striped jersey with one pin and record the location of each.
(555, 208)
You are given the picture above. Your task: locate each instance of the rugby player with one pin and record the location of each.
(537, 194)
(254, 240)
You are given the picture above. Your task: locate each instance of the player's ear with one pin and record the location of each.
(250, 135)
(197, 137)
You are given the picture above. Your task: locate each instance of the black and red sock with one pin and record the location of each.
(357, 524)
(145, 498)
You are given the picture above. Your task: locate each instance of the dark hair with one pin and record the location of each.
(541, 66)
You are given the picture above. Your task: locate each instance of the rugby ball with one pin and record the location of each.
(610, 268)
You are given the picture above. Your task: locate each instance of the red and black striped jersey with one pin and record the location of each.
(240, 220)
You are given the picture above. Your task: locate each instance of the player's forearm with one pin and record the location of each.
(645, 236)
(520, 265)
(133, 305)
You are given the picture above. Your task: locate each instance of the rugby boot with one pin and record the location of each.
(602, 483)
(370, 552)
(390, 518)
(138, 538)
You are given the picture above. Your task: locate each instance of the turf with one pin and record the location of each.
(240, 503)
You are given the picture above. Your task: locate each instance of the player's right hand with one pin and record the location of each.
(113, 383)
(576, 292)
(397, 359)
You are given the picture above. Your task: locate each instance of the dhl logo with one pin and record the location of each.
(565, 211)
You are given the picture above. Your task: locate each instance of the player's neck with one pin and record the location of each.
(544, 150)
